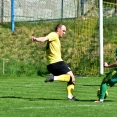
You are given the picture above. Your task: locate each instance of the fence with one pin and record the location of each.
(84, 49)
(32, 10)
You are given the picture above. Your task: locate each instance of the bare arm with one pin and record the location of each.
(110, 65)
(40, 39)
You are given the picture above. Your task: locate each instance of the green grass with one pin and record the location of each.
(32, 97)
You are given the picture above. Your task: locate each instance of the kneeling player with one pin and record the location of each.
(110, 79)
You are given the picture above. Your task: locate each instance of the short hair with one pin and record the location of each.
(58, 26)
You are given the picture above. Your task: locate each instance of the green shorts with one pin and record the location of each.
(111, 77)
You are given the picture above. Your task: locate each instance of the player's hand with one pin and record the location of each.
(105, 64)
(33, 38)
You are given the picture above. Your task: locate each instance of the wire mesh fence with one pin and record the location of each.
(32, 10)
(83, 53)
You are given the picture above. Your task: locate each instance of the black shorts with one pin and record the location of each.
(58, 68)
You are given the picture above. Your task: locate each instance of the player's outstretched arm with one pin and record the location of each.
(110, 65)
(40, 39)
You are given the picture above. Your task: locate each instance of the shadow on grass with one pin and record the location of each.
(36, 99)
(91, 85)
(30, 99)
(39, 99)
(95, 100)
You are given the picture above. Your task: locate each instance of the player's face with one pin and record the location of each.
(62, 31)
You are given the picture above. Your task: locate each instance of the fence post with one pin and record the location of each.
(82, 8)
(2, 7)
(3, 65)
(78, 8)
(12, 16)
(115, 6)
(61, 9)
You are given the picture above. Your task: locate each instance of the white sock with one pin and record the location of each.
(101, 100)
(70, 96)
(55, 78)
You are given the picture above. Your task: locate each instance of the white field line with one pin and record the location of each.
(45, 107)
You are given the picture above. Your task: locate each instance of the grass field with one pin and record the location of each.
(32, 97)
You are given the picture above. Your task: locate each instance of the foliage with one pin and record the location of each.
(80, 46)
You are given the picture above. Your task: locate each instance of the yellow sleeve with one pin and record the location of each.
(52, 36)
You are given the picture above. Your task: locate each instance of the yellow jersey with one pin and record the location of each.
(53, 49)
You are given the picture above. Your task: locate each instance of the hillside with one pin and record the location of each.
(80, 47)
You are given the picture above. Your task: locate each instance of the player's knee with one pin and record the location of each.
(70, 82)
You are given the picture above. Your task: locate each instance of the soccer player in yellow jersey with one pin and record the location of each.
(55, 65)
